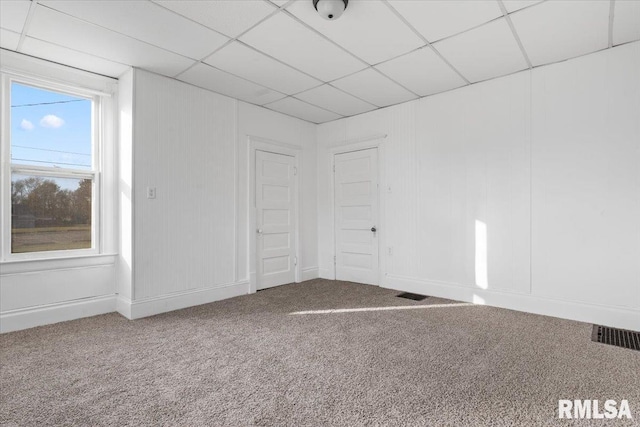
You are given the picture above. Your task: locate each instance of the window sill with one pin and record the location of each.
(19, 266)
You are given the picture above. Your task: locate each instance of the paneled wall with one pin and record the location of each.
(125, 187)
(472, 186)
(521, 192)
(586, 179)
(190, 242)
(184, 147)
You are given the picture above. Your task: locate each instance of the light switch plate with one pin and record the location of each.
(151, 192)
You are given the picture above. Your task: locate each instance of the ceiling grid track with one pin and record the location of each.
(112, 31)
(336, 88)
(25, 27)
(284, 95)
(308, 103)
(475, 27)
(156, 3)
(83, 53)
(350, 94)
(320, 82)
(310, 28)
(506, 16)
(427, 43)
(367, 65)
(280, 62)
(236, 39)
(612, 7)
(231, 40)
(396, 82)
(284, 6)
(327, 97)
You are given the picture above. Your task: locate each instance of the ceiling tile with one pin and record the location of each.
(386, 35)
(302, 110)
(9, 39)
(228, 17)
(13, 14)
(207, 77)
(375, 88)
(484, 52)
(64, 30)
(557, 30)
(284, 38)
(336, 100)
(62, 55)
(626, 21)
(423, 72)
(145, 21)
(437, 19)
(246, 62)
(513, 5)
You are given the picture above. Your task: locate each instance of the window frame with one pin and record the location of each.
(9, 168)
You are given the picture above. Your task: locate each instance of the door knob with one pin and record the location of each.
(373, 229)
(259, 231)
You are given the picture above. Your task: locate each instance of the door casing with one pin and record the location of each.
(254, 144)
(376, 141)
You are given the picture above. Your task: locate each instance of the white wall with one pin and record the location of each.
(546, 161)
(190, 243)
(586, 179)
(125, 187)
(184, 140)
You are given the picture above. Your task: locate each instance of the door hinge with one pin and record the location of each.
(295, 260)
(334, 167)
(295, 170)
(334, 259)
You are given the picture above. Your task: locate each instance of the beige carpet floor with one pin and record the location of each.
(252, 360)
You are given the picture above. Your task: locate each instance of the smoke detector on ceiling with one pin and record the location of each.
(330, 9)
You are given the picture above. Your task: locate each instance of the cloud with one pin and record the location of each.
(51, 121)
(26, 125)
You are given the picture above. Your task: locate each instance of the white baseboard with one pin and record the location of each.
(326, 273)
(590, 313)
(310, 273)
(123, 306)
(253, 282)
(24, 318)
(175, 301)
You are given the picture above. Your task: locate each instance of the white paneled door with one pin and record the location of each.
(275, 219)
(356, 216)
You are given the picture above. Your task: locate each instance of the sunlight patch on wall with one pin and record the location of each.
(482, 279)
(477, 299)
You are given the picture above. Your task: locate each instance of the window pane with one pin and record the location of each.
(50, 214)
(50, 128)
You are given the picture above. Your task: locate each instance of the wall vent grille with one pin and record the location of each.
(414, 297)
(618, 337)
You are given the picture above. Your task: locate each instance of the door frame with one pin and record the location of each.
(256, 143)
(349, 146)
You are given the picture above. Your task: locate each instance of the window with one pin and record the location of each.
(51, 164)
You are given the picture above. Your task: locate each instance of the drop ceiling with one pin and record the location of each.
(282, 55)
